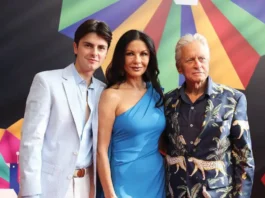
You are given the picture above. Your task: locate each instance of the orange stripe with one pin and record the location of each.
(2, 131)
(16, 128)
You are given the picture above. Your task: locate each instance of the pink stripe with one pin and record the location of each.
(9, 145)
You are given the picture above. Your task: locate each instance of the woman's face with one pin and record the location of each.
(137, 57)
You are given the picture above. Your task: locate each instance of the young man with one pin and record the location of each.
(59, 135)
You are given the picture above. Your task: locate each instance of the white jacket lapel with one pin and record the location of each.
(71, 93)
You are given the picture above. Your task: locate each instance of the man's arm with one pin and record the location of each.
(34, 196)
(242, 155)
(35, 123)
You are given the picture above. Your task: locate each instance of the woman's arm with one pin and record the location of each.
(107, 108)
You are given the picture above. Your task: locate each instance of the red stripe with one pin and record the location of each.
(263, 179)
(157, 23)
(242, 55)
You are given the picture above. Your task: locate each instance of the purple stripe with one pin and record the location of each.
(254, 7)
(113, 15)
(187, 21)
(181, 79)
(187, 27)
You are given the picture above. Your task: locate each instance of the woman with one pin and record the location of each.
(131, 120)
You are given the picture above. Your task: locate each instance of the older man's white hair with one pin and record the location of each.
(186, 39)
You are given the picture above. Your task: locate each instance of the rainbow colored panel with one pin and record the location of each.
(165, 22)
(235, 50)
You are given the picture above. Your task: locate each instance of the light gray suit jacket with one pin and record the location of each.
(50, 141)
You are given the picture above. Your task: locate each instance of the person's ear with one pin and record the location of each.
(75, 47)
(179, 68)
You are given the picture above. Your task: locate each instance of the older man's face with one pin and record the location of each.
(194, 62)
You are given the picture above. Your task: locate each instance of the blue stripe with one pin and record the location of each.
(14, 177)
(254, 7)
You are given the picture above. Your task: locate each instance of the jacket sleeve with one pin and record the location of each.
(242, 155)
(36, 119)
(33, 196)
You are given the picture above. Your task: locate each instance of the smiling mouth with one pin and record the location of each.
(136, 68)
(92, 60)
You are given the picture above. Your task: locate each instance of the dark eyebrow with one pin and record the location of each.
(103, 46)
(85, 42)
(145, 51)
(88, 43)
(133, 51)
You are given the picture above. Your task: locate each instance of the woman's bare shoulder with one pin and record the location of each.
(112, 93)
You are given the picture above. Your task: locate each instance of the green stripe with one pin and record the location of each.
(4, 169)
(251, 28)
(74, 11)
(169, 76)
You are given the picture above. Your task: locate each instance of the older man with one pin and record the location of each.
(208, 140)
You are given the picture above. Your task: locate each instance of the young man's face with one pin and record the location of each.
(90, 53)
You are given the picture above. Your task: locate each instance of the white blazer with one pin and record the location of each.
(50, 141)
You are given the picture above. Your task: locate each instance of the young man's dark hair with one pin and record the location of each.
(93, 26)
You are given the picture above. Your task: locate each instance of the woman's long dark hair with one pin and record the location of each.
(115, 73)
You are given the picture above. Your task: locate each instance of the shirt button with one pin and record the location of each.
(75, 153)
(69, 176)
(191, 125)
(191, 142)
(192, 108)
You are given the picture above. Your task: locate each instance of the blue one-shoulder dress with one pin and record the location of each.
(137, 168)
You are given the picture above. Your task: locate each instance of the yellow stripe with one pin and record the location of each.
(15, 128)
(138, 20)
(221, 69)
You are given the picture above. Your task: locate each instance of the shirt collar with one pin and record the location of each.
(208, 90)
(80, 80)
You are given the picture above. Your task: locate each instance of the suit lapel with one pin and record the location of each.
(71, 94)
(211, 112)
(172, 111)
(207, 119)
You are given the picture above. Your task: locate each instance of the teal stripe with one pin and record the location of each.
(169, 76)
(251, 28)
(74, 11)
(4, 169)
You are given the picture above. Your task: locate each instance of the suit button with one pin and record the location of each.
(69, 176)
(75, 153)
